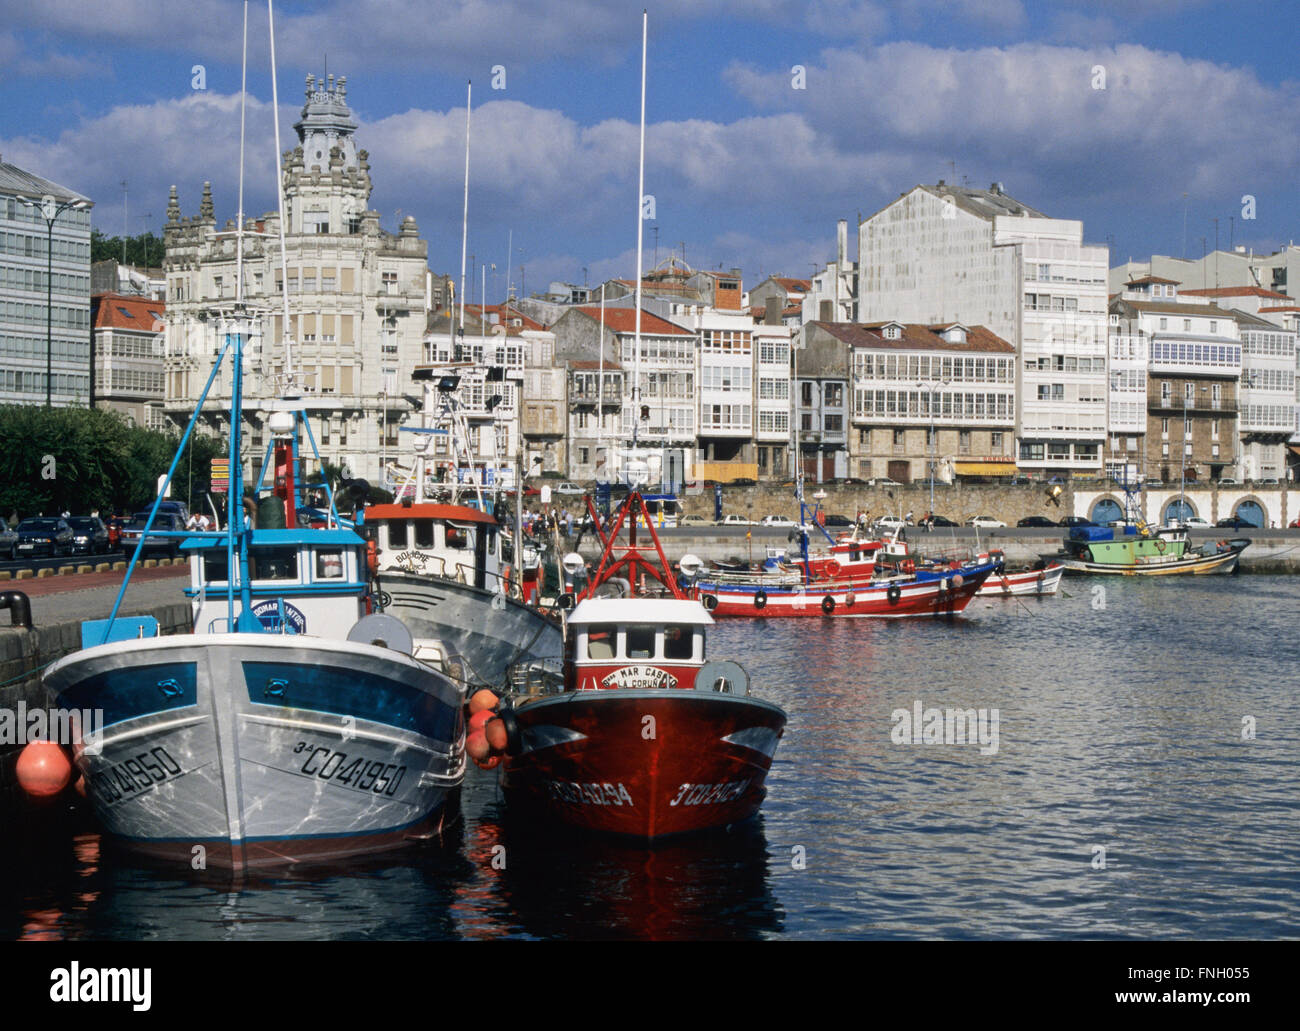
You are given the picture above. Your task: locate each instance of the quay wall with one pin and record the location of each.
(22, 655)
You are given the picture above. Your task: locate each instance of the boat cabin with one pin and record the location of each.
(635, 643)
(301, 582)
(454, 542)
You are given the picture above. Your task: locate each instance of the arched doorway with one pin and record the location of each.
(1251, 512)
(1178, 510)
(1106, 510)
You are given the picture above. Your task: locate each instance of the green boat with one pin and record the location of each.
(1139, 550)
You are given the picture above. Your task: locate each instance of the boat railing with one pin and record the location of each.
(536, 677)
(778, 577)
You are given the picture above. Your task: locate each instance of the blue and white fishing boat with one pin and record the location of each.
(294, 722)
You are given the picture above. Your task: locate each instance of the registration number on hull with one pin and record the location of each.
(710, 794)
(589, 794)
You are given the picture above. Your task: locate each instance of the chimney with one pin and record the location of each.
(772, 312)
(942, 183)
(995, 188)
(841, 242)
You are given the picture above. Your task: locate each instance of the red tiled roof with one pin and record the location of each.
(1234, 291)
(795, 285)
(1283, 307)
(507, 314)
(1151, 279)
(623, 320)
(120, 311)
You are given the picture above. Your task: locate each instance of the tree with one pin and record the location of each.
(145, 250)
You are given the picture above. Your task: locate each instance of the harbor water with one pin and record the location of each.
(1133, 774)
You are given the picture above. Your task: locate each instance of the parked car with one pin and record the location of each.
(890, 522)
(8, 540)
(134, 530)
(1075, 521)
(694, 520)
(1036, 521)
(1270, 482)
(850, 480)
(776, 520)
(742, 481)
(1228, 481)
(44, 535)
(89, 535)
(734, 520)
(1191, 523)
(937, 520)
(568, 488)
(883, 481)
(836, 520)
(1294, 524)
(1236, 523)
(987, 523)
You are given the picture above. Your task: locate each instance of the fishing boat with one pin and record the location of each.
(1140, 550)
(1040, 578)
(637, 733)
(447, 568)
(291, 724)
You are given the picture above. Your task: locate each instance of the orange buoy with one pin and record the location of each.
(43, 769)
(479, 720)
(490, 763)
(482, 699)
(496, 735)
(476, 746)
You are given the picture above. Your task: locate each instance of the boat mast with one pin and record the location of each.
(600, 384)
(640, 229)
(464, 224)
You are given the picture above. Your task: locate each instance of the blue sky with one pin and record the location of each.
(1200, 98)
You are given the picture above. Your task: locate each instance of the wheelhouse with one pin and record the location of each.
(455, 542)
(636, 643)
(300, 581)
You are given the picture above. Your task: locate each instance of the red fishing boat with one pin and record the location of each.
(637, 733)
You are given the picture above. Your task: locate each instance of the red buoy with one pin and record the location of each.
(477, 721)
(482, 699)
(476, 746)
(496, 735)
(43, 769)
(490, 763)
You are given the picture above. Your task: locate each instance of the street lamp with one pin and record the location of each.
(933, 389)
(50, 210)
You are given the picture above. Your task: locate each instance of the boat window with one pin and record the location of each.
(679, 642)
(423, 533)
(641, 642)
(600, 642)
(457, 537)
(214, 565)
(329, 565)
(273, 563)
(397, 533)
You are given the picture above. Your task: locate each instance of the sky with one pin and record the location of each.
(767, 121)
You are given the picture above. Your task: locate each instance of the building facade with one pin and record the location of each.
(44, 256)
(946, 253)
(357, 298)
(127, 344)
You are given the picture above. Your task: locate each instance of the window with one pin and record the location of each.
(329, 565)
(397, 534)
(679, 642)
(600, 642)
(1216, 392)
(1166, 393)
(900, 436)
(805, 392)
(640, 642)
(996, 441)
(273, 563)
(1164, 323)
(424, 533)
(1187, 325)
(1214, 326)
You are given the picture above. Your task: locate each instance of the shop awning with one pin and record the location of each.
(984, 468)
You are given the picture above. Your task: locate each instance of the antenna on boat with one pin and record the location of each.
(640, 229)
(279, 195)
(600, 385)
(464, 224)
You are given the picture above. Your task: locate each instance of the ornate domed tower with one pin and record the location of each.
(326, 178)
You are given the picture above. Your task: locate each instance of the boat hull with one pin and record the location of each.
(1027, 582)
(251, 750)
(487, 629)
(642, 764)
(928, 594)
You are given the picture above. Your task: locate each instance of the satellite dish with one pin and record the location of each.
(723, 677)
(573, 564)
(690, 565)
(383, 631)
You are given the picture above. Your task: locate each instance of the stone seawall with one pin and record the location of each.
(23, 653)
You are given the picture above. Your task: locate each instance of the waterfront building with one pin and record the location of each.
(358, 298)
(1193, 375)
(772, 400)
(127, 344)
(833, 292)
(923, 397)
(1236, 267)
(821, 403)
(595, 405)
(43, 260)
(945, 253)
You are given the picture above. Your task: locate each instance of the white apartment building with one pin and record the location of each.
(947, 253)
(35, 337)
(128, 343)
(772, 401)
(1268, 397)
(358, 298)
